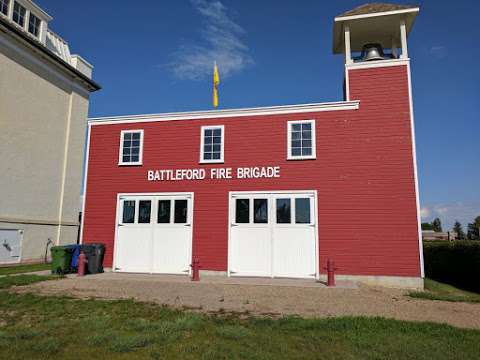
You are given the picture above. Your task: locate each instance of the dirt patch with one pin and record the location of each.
(222, 297)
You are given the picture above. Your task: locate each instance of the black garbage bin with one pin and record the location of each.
(94, 255)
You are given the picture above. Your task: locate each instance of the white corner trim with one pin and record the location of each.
(377, 14)
(289, 140)
(228, 113)
(415, 171)
(202, 144)
(85, 177)
(120, 148)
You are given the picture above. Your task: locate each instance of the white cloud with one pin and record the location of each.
(439, 51)
(425, 212)
(221, 42)
(464, 212)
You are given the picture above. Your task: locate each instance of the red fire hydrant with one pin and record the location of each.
(81, 264)
(195, 269)
(330, 272)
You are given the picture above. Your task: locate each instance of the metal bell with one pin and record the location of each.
(372, 52)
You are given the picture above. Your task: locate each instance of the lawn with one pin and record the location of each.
(18, 269)
(38, 327)
(439, 291)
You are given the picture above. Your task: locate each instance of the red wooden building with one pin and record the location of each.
(271, 191)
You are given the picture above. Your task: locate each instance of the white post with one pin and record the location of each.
(10, 10)
(348, 52)
(403, 36)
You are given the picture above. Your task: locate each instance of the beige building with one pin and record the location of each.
(44, 98)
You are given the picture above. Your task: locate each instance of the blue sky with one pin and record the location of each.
(155, 56)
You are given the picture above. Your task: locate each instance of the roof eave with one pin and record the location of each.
(91, 85)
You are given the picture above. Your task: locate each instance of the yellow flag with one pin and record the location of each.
(216, 82)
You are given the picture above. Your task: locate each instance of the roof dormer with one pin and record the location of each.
(28, 16)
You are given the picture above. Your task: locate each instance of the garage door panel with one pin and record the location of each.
(293, 252)
(133, 249)
(251, 248)
(154, 233)
(284, 245)
(171, 250)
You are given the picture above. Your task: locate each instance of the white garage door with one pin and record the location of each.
(154, 233)
(273, 234)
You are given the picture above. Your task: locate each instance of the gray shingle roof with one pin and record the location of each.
(375, 8)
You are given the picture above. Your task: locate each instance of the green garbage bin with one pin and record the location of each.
(61, 259)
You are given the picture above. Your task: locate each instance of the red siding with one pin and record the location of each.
(363, 174)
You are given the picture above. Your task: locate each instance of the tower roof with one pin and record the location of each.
(371, 8)
(372, 22)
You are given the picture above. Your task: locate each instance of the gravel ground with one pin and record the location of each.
(263, 297)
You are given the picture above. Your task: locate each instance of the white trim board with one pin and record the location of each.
(415, 171)
(377, 64)
(217, 114)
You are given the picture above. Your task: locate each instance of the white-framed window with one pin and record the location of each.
(19, 13)
(212, 144)
(4, 5)
(131, 147)
(301, 140)
(34, 25)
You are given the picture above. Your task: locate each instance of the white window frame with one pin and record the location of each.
(120, 152)
(7, 15)
(289, 140)
(202, 142)
(30, 14)
(25, 18)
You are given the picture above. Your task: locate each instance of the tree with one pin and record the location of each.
(426, 226)
(457, 227)
(473, 231)
(437, 225)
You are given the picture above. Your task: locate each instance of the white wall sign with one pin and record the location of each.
(256, 172)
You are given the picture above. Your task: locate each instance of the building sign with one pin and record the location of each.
(256, 172)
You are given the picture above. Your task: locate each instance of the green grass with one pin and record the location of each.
(38, 327)
(438, 291)
(19, 269)
(19, 280)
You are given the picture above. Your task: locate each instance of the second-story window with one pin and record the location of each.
(4, 6)
(131, 147)
(19, 14)
(34, 25)
(212, 142)
(301, 140)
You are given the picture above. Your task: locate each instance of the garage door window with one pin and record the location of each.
(302, 211)
(180, 211)
(260, 211)
(144, 211)
(283, 211)
(242, 211)
(128, 212)
(163, 216)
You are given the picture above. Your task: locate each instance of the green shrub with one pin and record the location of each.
(456, 263)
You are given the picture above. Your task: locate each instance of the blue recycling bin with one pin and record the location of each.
(75, 249)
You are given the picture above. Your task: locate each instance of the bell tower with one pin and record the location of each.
(373, 36)
(373, 39)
